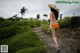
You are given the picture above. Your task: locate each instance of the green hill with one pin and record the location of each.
(19, 37)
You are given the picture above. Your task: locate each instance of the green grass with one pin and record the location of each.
(8, 32)
(32, 50)
(20, 38)
(24, 40)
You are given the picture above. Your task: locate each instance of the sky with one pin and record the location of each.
(8, 8)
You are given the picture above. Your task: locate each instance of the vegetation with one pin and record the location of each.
(67, 22)
(68, 32)
(46, 26)
(20, 38)
(70, 22)
(23, 11)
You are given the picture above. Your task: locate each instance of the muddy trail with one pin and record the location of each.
(49, 44)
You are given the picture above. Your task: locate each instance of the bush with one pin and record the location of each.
(19, 37)
(6, 23)
(28, 40)
(65, 23)
(75, 22)
(70, 22)
(8, 32)
(46, 27)
(33, 50)
(2, 19)
(34, 23)
(31, 23)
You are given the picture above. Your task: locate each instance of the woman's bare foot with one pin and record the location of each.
(57, 50)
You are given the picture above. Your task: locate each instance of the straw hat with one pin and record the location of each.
(53, 6)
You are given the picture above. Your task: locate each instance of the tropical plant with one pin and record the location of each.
(1, 19)
(38, 16)
(23, 11)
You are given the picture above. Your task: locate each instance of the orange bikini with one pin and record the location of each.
(55, 26)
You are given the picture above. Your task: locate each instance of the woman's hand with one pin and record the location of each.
(50, 26)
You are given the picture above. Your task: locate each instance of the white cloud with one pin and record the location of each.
(11, 7)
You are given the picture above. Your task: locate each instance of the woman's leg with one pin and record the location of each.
(54, 36)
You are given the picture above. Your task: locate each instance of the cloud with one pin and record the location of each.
(11, 7)
(68, 10)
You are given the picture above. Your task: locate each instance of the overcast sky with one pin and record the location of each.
(9, 8)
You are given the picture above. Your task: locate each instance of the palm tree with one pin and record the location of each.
(60, 16)
(45, 15)
(23, 11)
(38, 16)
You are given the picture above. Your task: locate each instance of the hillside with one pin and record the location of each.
(21, 38)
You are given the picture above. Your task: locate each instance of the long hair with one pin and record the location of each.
(56, 13)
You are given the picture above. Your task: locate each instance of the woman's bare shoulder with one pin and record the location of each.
(51, 13)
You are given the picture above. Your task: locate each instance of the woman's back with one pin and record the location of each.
(53, 18)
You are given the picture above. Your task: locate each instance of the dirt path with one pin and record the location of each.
(49, 43)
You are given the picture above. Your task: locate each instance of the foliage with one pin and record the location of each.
(33, 50)
(70, 22)
(75, 22)
(6, 23)
(31, 23)
(38, 16)
(23, 11)
(8, 32)
(46, 26)
(11, 18)
(14, 18)
(1, 19)
(20, 38)
(65, 23)
(24, 40)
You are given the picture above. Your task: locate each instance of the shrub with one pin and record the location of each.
(2, 19)
(8, 32)
(31, 23)
(46, 26)
(34, 23)
(75, 22)
(6, 23)
(70, 22)
(19, 37)
(25, 42)
(33, 50)
(65, 23)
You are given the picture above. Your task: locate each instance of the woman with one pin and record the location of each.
(53, 23)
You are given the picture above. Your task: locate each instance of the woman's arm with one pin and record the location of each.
(51, 19)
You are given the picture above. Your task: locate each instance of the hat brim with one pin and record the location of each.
(54, 7)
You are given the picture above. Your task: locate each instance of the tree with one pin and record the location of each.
(14, 18)
(23, 11)
(38, 16)
(60, 16)
(1, 19)
(14, 15)
(45, 15)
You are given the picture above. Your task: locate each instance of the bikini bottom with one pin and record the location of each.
(55, 26)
